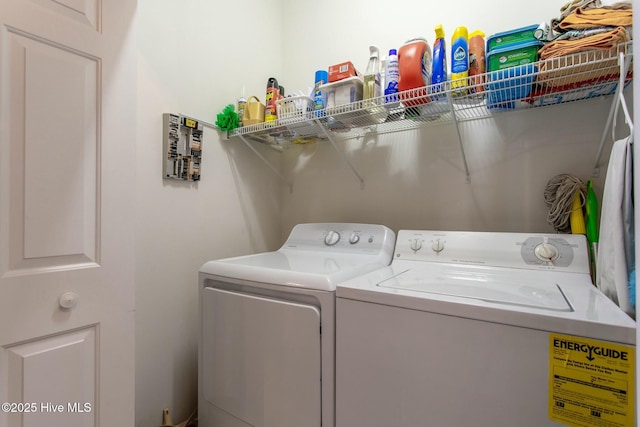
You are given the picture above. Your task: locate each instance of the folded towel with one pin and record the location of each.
(605, 41)
(618, 5)
(621, 16)
(580, 34)
(572, 5)
(598, 59)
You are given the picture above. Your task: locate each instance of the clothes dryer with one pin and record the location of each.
(267, 326)
(482, 329)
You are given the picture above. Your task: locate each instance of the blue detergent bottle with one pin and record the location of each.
(319, 100)
(439, 64)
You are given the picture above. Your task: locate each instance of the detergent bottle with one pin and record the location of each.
(477, 61)
(392, 73)
(439, 64)
(414, 63)
(459, 60)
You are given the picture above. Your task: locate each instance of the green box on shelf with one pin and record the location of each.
(512, 71)
(514, 55)
(512, 37)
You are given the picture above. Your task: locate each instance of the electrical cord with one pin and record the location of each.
(558, 195)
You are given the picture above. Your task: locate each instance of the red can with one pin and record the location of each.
(273, 94)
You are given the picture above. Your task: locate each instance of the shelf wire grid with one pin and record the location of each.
(543, 83)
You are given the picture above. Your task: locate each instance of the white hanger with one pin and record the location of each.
(619, 101)
(625, 63)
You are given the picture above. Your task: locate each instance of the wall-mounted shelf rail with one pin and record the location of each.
(560, 80)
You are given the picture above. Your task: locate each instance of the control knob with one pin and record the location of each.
(437, 245)
(545, 251)
(416, 245)
(331, 238)
(354, 238)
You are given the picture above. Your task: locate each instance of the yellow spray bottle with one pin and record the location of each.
(460, 60)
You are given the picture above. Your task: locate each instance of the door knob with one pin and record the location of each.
(68, 300)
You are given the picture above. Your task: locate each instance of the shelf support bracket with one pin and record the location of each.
(624, 69)
(341, 153)
(257, 153)
(202, 122)
(457, 126)
(276, 171)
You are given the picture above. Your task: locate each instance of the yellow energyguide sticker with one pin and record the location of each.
(591, 383)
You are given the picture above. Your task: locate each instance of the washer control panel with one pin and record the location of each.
(540, 250)
(560, 252)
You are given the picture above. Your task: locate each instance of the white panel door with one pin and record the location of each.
(67, 142)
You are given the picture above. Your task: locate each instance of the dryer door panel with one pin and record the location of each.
(261, 358)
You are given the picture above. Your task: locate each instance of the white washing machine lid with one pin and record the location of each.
(553, 301)
(300, 269)
(488, 286)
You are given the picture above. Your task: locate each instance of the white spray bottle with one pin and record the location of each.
(372, 75)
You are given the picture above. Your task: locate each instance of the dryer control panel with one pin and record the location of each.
(560, 252)
(356, 239)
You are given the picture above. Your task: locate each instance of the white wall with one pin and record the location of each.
(317, 35)
(415, 179)
(194, 58)
(196, 55)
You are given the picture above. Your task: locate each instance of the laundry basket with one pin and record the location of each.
(294, 109)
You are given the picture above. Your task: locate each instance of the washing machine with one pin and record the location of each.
(267, 326)
(482, 329)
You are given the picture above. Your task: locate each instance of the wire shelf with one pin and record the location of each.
(544, 83)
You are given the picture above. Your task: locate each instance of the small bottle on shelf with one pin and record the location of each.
(439, 64)
(459, 61)
(477, 62)
(273, 89)
(392, 72)
(372, 75)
